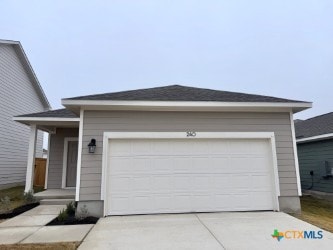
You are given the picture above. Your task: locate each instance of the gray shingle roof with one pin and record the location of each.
(58, 113)
(181, 93)
(314, 126)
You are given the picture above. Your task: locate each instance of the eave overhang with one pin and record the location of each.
(213, 106)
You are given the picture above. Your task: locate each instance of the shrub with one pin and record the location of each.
(62, 216)
(29, 197)
(70, 208)
(5, 203)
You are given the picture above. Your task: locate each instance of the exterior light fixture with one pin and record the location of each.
(92, 146)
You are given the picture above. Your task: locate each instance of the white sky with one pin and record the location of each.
(279, 48)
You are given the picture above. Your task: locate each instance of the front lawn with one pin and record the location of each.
(318, 212)
(16, 197)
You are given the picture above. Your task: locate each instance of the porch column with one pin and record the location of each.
(31, 158)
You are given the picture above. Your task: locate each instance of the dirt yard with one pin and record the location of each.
(16, 197)
(51, 246)
(318, 212)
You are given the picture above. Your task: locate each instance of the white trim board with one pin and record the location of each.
(315, 138)
(79, 157)
(293, 135)
(29, 178)
(46, 119)
(184, 105)
(47, 161)
(176, 135)
(64, 163)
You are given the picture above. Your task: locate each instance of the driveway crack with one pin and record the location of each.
(202, 223)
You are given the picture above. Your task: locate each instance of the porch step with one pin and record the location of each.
(55, 201)
(56, 194)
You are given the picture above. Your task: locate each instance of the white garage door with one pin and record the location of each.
(189, 175)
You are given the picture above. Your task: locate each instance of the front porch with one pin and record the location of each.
(61, 167)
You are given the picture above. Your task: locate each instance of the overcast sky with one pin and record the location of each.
(280, 48)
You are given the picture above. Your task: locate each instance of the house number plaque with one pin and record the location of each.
(191, 134)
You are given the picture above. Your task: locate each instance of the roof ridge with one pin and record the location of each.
(317, 116)
(193, 93)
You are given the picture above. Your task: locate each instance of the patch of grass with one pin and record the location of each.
(16, 196)
(46, 246)
(318, 212)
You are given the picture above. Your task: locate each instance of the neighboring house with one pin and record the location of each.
(173, 149)
(315, 152)
(20, 92)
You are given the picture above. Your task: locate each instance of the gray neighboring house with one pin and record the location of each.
(171, 149)
(20, 92)
(315, 152)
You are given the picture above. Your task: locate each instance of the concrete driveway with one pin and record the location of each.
(248, 230)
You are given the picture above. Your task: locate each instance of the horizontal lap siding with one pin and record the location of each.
(98, 122)
(56, 154)
(312, 157)
(17, 97)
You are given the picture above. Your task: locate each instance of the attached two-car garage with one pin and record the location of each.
(146, 173)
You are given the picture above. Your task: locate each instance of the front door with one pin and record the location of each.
(71, 163)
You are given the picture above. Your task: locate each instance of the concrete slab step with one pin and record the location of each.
(56, 194)
(55, 201)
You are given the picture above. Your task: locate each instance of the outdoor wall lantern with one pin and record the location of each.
(92, 146)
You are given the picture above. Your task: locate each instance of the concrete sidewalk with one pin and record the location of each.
(29, 227)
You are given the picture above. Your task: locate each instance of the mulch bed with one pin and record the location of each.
(71, 220)
(18, 210)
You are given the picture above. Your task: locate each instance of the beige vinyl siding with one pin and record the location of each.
(17, 96)
(97, 122)
(56, 154)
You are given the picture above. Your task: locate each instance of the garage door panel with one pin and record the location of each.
(162, 165)
(248, 164)
(142, 203)
(261, 182)
(182, 203)
(120, 184)
(240, 182)
(140, 147)
(121, 149)
(181, 165)
(248, 147)
(218, 147)
(121, 165)
(139, 165)
(181, 148)
(162, 202)
(222, 202)
(202, 183)
(221, 182)
(263, 200)
(241, 201)
(141, 184)
(203, 147)
(170, 176)
(218, 164)
(201, 203)
(162, 148)
(198, 165)
(162, 183)
(182, 183)
(120, 204)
